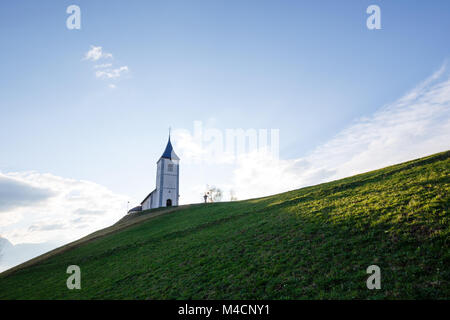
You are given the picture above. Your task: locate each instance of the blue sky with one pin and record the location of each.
(308, 68)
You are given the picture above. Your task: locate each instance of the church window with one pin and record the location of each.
(170, 167)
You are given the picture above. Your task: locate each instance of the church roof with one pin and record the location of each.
(135, 209)
(169, 153)
(147, 196)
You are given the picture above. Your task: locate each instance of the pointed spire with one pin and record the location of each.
(168, 152)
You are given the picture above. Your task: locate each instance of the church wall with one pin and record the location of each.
(146, 204)
(159, 174)
(167, 175)
(170, 194)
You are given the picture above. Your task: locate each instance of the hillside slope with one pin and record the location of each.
(311, 243)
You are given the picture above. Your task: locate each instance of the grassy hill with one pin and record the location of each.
(311, 243)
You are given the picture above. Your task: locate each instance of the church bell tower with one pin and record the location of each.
(167, 178)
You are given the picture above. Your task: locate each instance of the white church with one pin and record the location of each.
(166, 193)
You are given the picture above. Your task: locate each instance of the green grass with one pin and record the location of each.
(311, 243)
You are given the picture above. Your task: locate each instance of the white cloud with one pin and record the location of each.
(214, 146)
(96, 53)
(416, 125)
(104, 70)
(15, 193)
(55, 218)
(10, 219)
(47, 227)
(189, 146)
(111, 73)
(104, 65)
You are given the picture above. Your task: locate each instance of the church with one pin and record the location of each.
(166, 193)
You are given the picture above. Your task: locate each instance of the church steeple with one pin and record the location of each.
(168, 152)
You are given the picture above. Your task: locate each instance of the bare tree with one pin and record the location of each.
(213, 194)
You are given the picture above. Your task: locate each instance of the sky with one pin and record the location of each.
(85, 113)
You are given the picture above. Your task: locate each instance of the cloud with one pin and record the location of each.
(214, 146)
(189, 146)
(16, 193)
(104, 71)
(104, 65)
(49, 218)
(87, 212)
(47, 227)
(416, 125)
(111, 73)
(96, 53)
